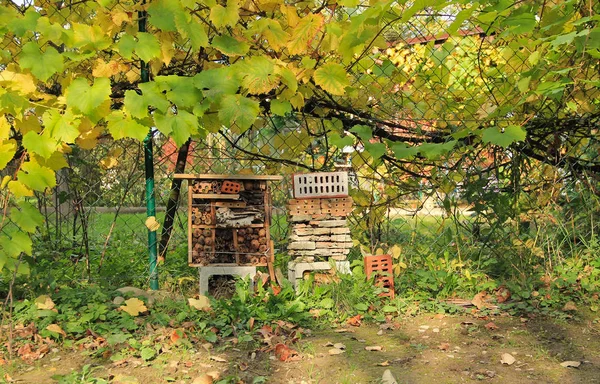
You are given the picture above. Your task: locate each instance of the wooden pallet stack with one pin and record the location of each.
(319, 229)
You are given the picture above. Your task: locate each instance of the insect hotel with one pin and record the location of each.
(229, 218)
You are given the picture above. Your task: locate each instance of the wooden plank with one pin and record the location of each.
(208, 176)
(190, 248)
(215, 196)
(197, 265)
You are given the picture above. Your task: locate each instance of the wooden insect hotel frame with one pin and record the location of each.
(229, 219)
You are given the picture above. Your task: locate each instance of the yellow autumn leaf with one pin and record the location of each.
(112, 158)
(108, 69)
(18, 81)
(134, 306)
(201, 303)
(44, 302)
(152, 224)
(395, 251)
(56, 329)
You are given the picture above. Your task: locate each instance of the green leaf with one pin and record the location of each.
(361, 307)
(21, 25)
(230, 46)
(217, 82)
(403, 151)
(332, 78)
(434, 150)
(341, 142)
(147, 47)
(41, 64)
(193, 31)
(225, 16)
(147, 353)
(153, 96)
(85, 98)
(28, 218)
(511, 134)
(162, 14)
(363, 131)
(62, 126)
(520, 23)
(180, 126)
(281, 107)
(135, 104)
(20, 242)
(376, 150)
(43, 145)
(37, 177)
(121, 125)
(238, 110)
(258, 75)
(126, 46)
(327, 303)
(180, 90)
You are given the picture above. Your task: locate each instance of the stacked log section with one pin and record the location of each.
(319, 229)
(203, 246)
(252, 245)
(202, 215)
(224, 247)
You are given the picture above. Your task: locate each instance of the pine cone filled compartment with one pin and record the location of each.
(203, 246)
(252, 245)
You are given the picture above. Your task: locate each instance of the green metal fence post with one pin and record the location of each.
(149, 171)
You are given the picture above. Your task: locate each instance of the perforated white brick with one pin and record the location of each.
(320, 184)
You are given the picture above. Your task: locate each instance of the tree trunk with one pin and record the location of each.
(173, 202)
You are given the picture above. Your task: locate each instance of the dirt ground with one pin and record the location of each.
(423, 349)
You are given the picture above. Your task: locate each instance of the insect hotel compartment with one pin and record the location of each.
(229, 220)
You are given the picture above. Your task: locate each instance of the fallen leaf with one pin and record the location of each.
(507, 359)
(56, 329)
(218, 359)
(121, 379)
(336, 351)
(44, 302)
(204, 379)
(388, 378)
(339, 346)
(242, 366)
(284, 353)
(374, 348)
(444, 346)
(384, 364)
(491, 326)
(202, 303)
(176, 335)
(569, 307)
(380, 332)
(571, 364)
(355, 321)
(134, 306)
(480, 300)
(502, 294)
(439, 316)
(343, 330)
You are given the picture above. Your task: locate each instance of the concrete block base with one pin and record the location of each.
(208, 271)
(296, 270)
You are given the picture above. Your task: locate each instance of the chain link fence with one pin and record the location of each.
(487, 213)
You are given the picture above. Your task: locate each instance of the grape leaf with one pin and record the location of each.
(7, 151)
(193, 31)
(121, 125)
(258, 75)
(281, 107)
(511, 134)
(147, 46)
(18, 243)
(36, 177)
(305, 33)
(42, 64)
(62, 126)
(153, 96)
(43, 145)
(180, 126)
(332, 78)
(238, 110)
(85, 98)
(162, 14)
(135, 104)
(225, 16)
(28, 218)
(230, 46)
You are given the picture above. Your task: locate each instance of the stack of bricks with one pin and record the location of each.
(319, 230)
